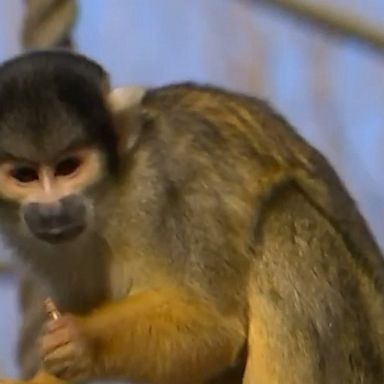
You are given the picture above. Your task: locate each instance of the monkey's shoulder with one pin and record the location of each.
(228, 124)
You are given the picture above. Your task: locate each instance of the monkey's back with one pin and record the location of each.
(252, 144)
(239, 152)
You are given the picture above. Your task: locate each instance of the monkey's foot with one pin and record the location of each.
(65, 349)
(13, 381)
(40, 378)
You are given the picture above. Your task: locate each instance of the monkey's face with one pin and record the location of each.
(57, 144)
(51, 198)
(60, 143)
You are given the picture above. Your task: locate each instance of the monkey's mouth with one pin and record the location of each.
(61, 234)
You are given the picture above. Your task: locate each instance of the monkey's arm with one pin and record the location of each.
(308, 320)
(162, 336)
(33, 317)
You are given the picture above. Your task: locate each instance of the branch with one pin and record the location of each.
(329, 19)
(48, 23)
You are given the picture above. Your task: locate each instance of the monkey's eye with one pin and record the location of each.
(67, 166)
(24, 174)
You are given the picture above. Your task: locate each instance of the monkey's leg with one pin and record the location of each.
(309, 319)
(162, 336)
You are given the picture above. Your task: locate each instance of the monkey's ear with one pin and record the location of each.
(124, 104)
(125, 98)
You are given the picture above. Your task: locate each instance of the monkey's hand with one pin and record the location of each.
(65, 349)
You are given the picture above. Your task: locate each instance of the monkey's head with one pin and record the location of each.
(57, 141)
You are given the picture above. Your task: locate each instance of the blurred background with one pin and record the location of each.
(319, 62)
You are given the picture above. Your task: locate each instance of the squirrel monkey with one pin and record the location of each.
(186, 234)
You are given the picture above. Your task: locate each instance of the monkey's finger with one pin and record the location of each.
(65, 363)
(68, 372)
(54, 341)
(54, 325)
(60, 356)
(58, 369)
(50, 326)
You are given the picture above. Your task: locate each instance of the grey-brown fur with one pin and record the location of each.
(220, 193)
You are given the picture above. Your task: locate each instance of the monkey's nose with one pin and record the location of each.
(55, 222)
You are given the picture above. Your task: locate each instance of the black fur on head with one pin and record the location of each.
(53, 99)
